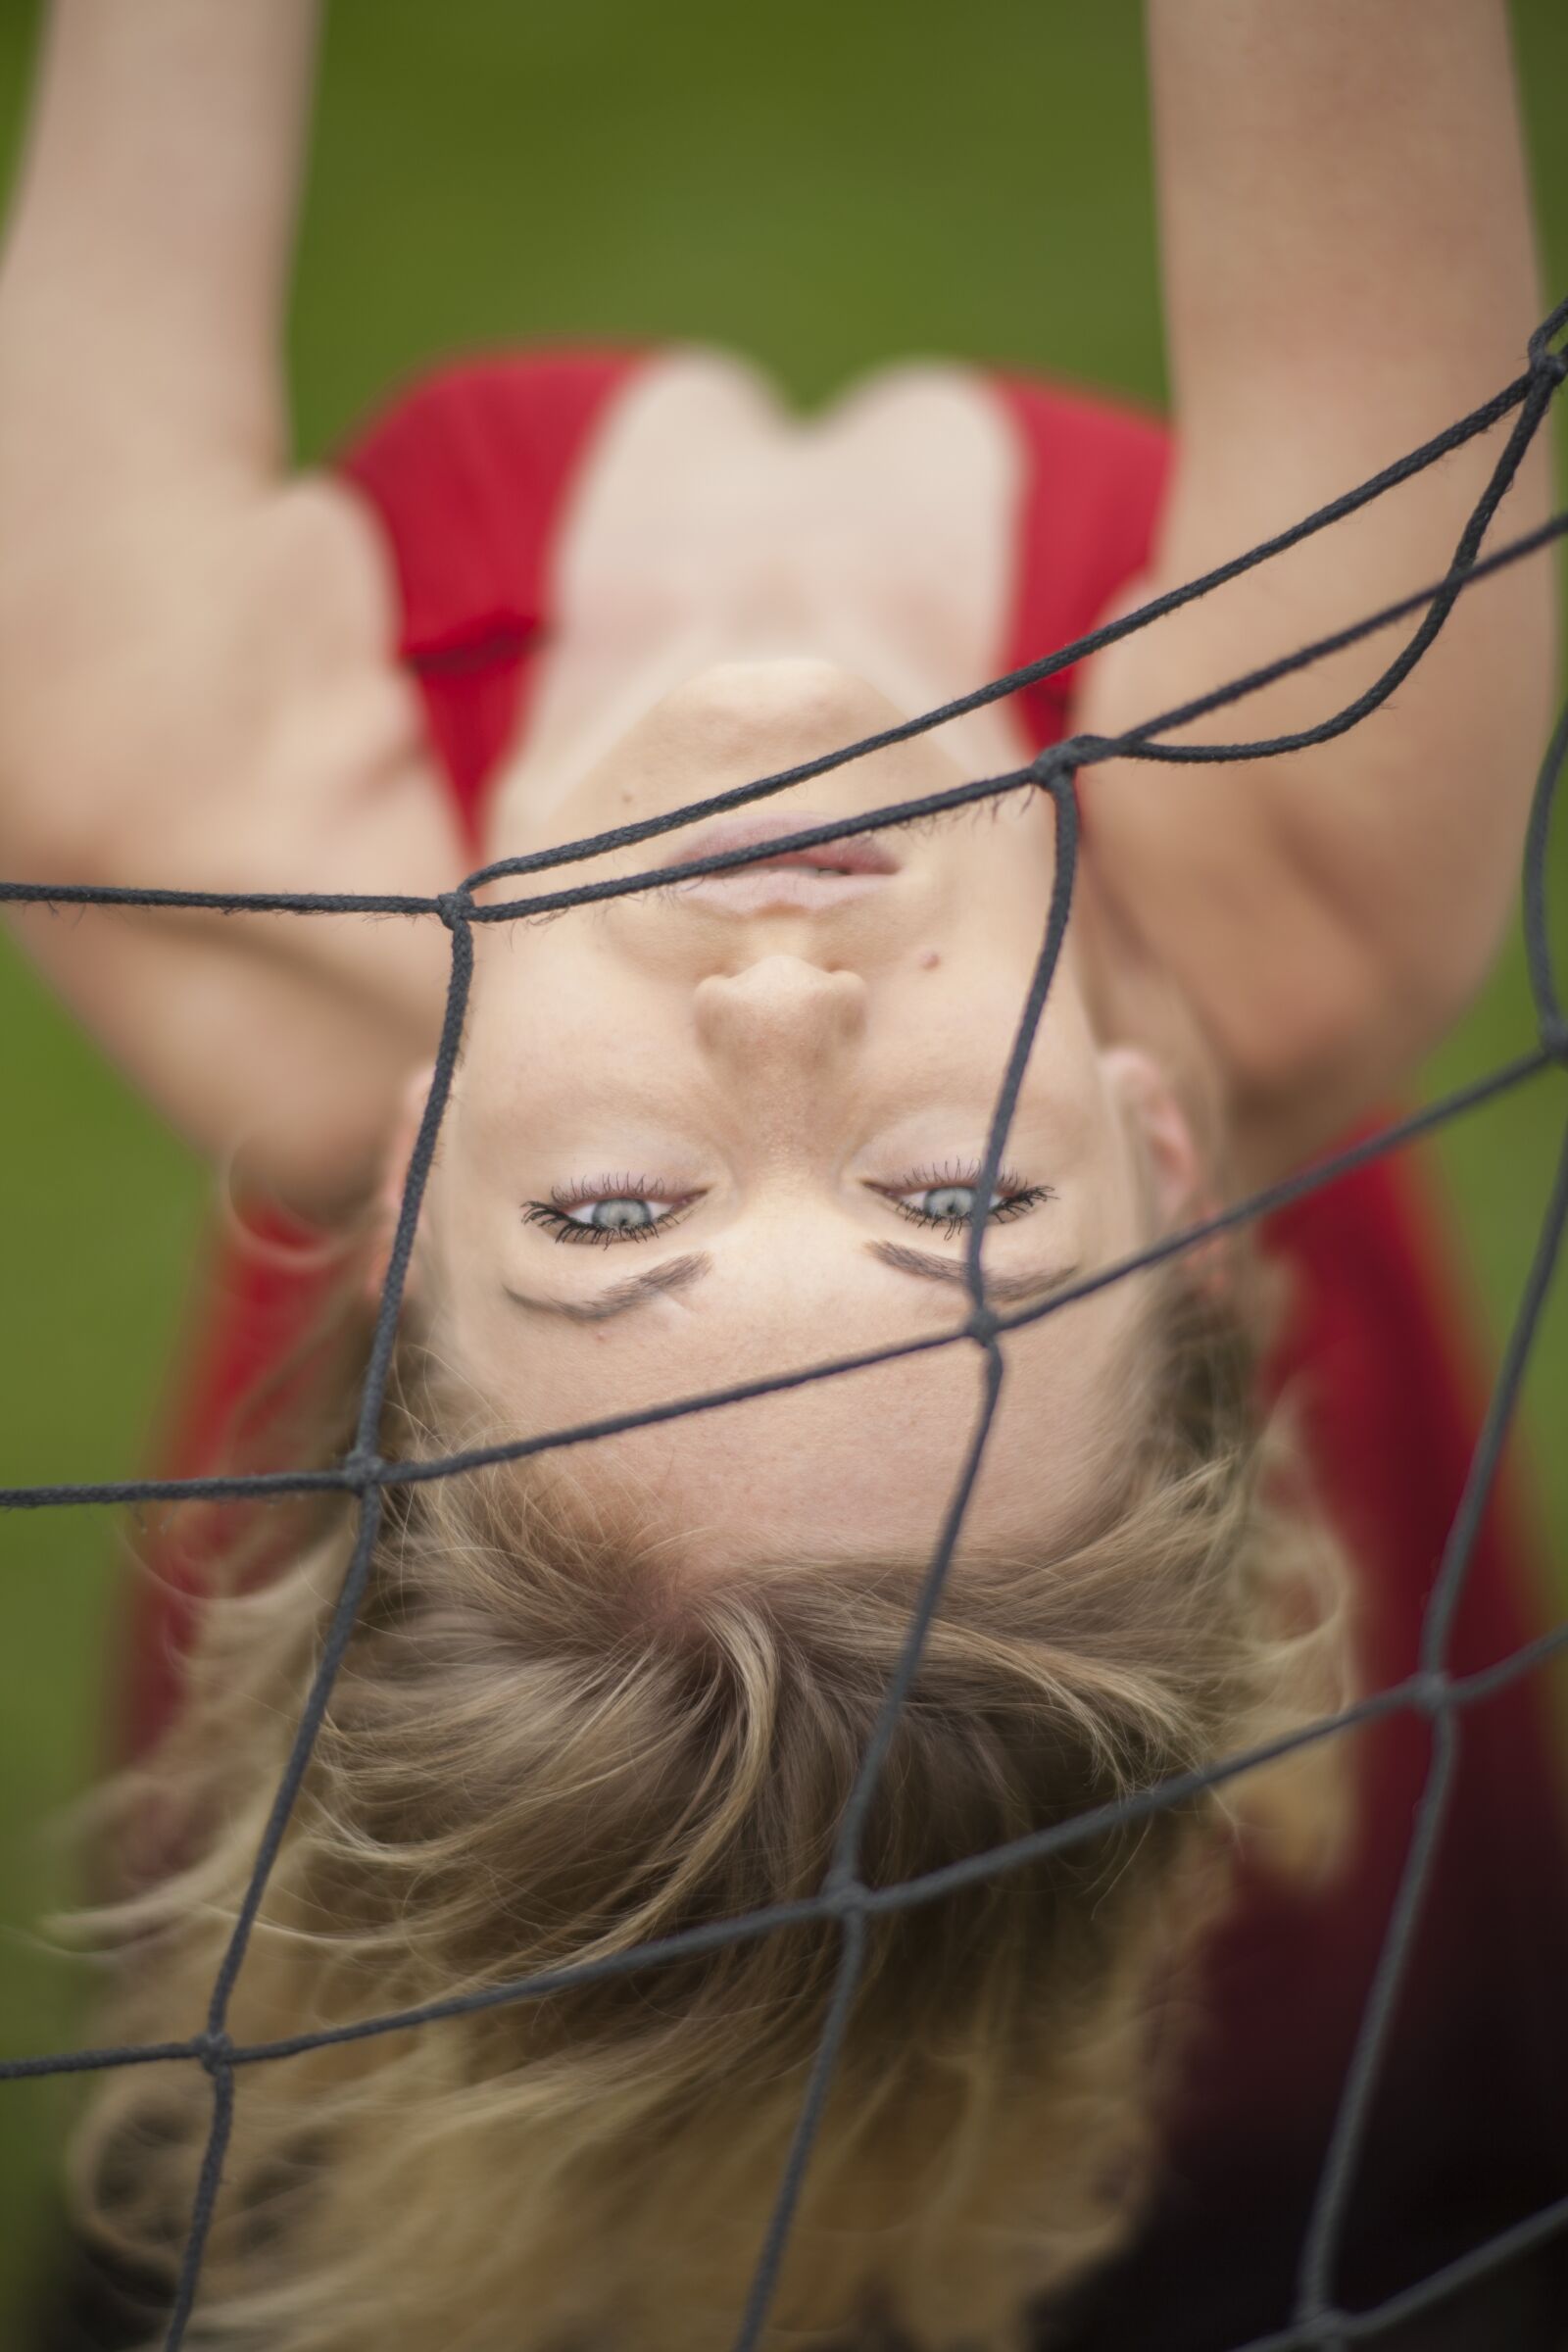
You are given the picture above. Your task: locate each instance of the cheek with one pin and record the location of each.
(531, 985)
(527, 1375)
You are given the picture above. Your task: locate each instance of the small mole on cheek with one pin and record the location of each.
(929, 959)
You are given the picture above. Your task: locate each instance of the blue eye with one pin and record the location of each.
(618, 1208)
(615, 1216)
(944, 1204)
(948, 1200)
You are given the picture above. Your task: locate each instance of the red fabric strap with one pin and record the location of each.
(467, 474)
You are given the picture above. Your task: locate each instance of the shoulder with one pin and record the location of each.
(240, 684)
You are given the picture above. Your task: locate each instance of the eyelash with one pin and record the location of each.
(552, 1214)
(1016, 1200)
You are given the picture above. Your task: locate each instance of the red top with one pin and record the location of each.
(467, 474)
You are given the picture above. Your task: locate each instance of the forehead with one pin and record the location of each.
(870, 1464)
(843, 1467)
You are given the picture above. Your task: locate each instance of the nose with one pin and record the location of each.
(780, 1013)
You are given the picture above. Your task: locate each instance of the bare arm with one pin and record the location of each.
(195, 686)
(1349, 267)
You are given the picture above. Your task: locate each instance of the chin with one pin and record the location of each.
(732, 705)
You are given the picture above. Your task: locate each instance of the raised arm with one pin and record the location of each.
(151, 240)
(195, 686)
(1349, 267)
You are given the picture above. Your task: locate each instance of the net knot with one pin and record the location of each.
(983, 1326)
(1054, 766)
(844, 1896)
(216, 2051)
(1430, 1692)
(359, 1466)
(453, 908)
(1545, 362)
(1554, 1037)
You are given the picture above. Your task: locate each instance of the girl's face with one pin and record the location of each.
(705, 1136)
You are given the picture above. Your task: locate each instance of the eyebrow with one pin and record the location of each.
(1002, 1290)
(680, 1273)
(676, 1274)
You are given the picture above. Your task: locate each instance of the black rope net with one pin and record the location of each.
(1432, 1689)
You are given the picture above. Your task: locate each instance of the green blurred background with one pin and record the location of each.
(822, 186)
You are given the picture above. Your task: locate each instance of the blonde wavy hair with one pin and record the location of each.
(547, 1745)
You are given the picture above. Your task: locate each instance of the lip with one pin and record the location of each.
(815, 880)
(853, 854)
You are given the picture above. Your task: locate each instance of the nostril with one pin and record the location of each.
(781, 1003)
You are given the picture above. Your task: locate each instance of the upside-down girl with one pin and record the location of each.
(709, 1133)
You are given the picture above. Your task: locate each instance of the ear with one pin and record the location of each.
(1163, 1130)
(394, 1171)
(1184, 1192)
